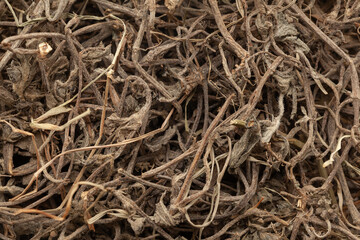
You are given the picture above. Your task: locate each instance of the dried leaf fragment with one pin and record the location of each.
(244, 146)
(44, 49)
(172, 4)
(338, 147)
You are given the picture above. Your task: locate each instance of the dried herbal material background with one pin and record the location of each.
(179, 119)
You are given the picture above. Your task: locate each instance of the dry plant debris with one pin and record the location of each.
(179, 119)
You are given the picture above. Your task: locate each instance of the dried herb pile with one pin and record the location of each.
(179, 119)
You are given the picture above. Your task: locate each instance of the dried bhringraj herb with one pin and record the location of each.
(179, 119)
